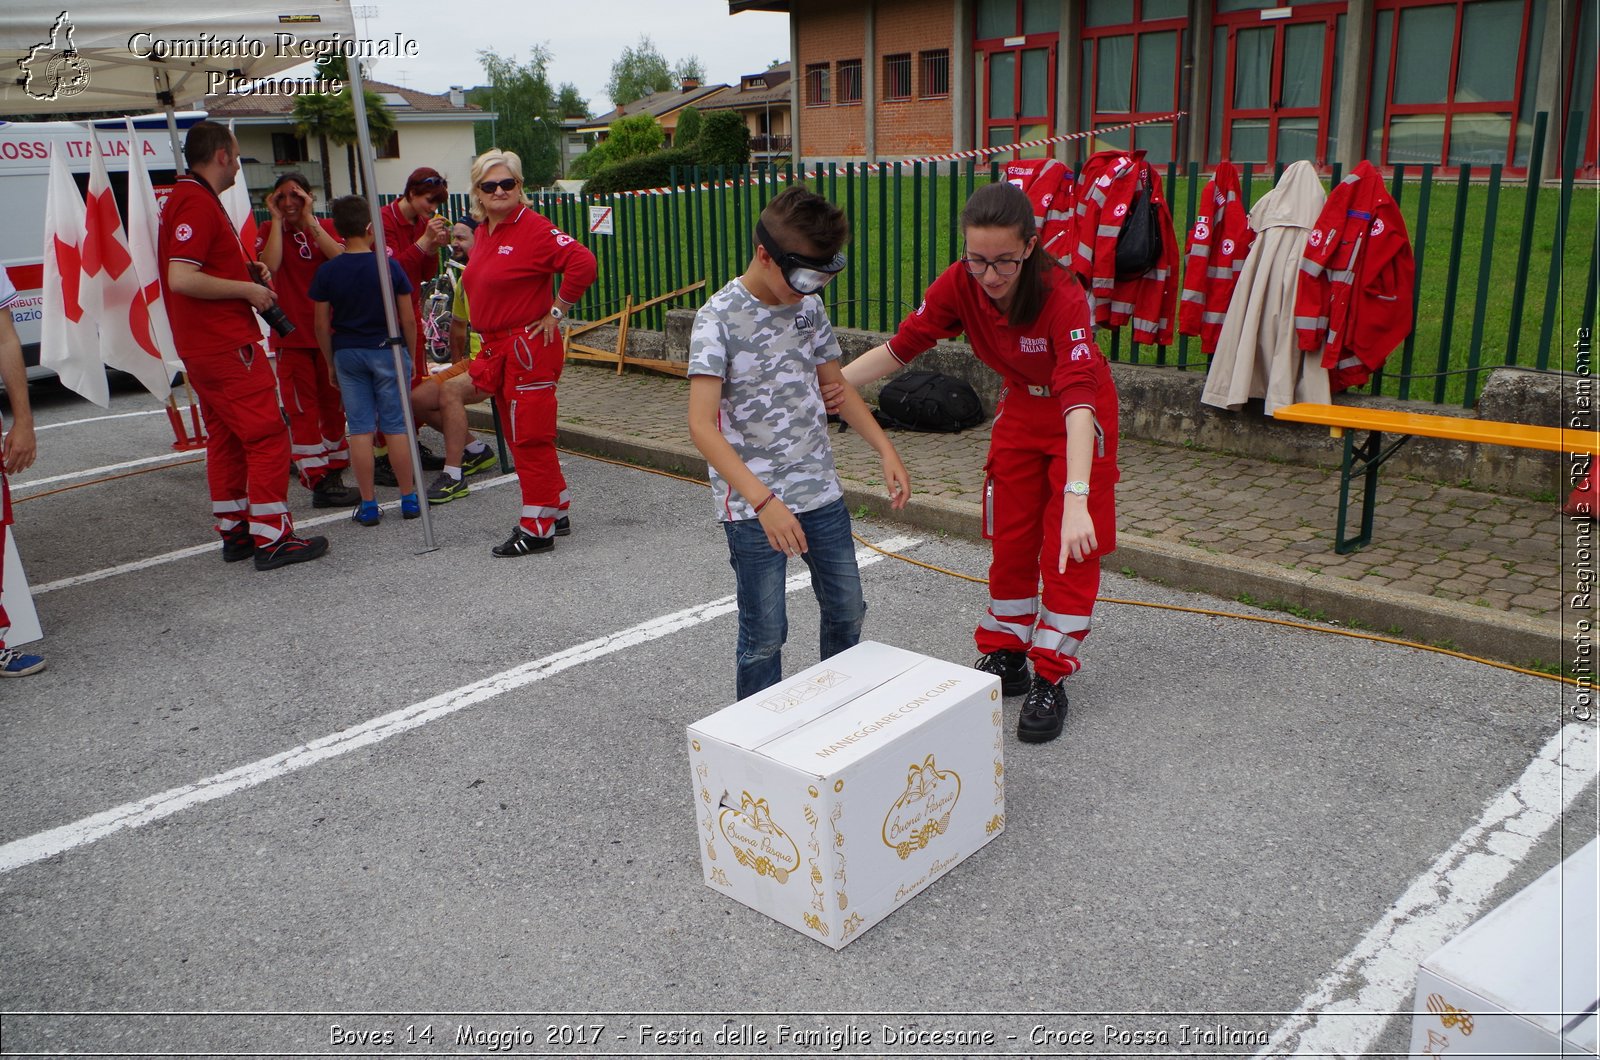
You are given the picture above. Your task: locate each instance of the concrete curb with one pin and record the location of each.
(1514, 639)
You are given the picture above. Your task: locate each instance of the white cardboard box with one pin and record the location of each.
(1521, 981)
(828, 800)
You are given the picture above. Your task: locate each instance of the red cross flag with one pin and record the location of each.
(144, 222)
(69, 343)
(126, 342)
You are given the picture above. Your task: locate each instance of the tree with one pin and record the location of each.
(570, 103)
(688, 130)
(380, 126)
(634, 136)
(315, 114)
(724, 140)
(528, 109)
(642, 70)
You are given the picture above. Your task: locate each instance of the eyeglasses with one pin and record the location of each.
(304, 244)
(488, 187)
(1005, 268)
(428, 182)
(805, 275)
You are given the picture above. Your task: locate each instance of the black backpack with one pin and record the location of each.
(1139, 241)
(928, 401)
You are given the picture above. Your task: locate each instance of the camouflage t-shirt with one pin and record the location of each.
(771, 412)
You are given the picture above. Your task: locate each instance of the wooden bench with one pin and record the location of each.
(1369, 456)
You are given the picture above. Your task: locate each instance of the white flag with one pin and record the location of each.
(125, 340)
(144, 230)
(69, 343)
(236, 201)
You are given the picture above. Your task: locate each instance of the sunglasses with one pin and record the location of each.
(805, 275)
(304, 244)
(428, 182)
(488, 187)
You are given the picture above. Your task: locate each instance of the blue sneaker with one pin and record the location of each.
(14, 663)
(410, 506)
(369, 514)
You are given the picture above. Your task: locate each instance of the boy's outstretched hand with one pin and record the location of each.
(783, 529)
(897, 480)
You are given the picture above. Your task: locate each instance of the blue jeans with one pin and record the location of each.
(370, 390)
(760, 571)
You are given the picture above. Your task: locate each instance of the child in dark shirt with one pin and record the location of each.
(351, 330)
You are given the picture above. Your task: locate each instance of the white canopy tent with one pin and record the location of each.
(126, 57)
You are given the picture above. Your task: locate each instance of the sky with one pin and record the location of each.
(584, 36)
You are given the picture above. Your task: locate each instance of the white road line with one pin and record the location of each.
(107, 470)
(21, 852)
(100, 419)
(213, 546)
(1347, 1011)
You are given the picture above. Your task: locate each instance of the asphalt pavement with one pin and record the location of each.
(329, 809)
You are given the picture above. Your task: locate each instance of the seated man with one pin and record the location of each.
(441, 400)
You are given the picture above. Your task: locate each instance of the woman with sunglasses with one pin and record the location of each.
(1049, 505)
(294, 244)
(413, 234)
(510, 284)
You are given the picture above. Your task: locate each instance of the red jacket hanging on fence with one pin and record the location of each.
(1049, 186)
(1357, 280)
(1218, 243)
(1108, 188)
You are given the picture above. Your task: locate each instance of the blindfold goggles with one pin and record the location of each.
(805, 275)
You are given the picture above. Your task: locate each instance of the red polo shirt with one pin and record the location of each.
(195, 228)
(1056, 350)
(400, 242)
(301, 259)
(508, 276)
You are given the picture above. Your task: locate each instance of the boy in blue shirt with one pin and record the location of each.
(351, 330)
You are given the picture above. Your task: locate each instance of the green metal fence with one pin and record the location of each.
(1509, 268)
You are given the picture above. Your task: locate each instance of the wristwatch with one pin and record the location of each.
(1078, 489)
(556, 314)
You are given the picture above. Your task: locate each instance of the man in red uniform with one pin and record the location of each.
(412, 235)
(212, 288)
(293, 245)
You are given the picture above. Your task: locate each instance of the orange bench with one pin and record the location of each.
(1370, 455)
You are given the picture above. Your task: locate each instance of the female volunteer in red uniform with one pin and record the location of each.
(1049, 504)
(509, 283)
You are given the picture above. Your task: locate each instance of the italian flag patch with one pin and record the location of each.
(1078, 334)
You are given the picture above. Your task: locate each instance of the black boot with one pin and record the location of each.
(1044, 712)
(1010, 666)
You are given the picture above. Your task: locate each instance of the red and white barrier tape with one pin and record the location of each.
(878, 167)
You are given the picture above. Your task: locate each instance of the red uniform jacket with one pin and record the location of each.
(1218, 243)
(1357, 280)
(1049, 186)
(1107, 187)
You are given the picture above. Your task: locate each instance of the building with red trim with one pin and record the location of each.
(1448, 82)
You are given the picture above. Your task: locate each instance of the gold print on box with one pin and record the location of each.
(1449, 1015)
(816, 852)
(922, 812)
(758, 843)
(703, 771)
(838, 855)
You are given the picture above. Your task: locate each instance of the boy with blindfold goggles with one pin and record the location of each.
(760, 349)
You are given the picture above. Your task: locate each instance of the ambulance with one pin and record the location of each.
(25, 148)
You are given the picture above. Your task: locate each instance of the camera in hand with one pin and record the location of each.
(275, 317)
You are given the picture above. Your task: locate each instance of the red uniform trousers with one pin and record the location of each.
(522, 370)
(1027, 472)
(316, 415)
(247, 444)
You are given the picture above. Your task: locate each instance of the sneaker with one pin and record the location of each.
(563, 527)
(446, 489)
(476, 463)
(237, 544)
(410, 506)
(431, 461)
(1044, 712)
(383, 472)
(331, 492)
(290, 549)
(14, 663)
(368, 514)
(1010, 666)
(522, 543)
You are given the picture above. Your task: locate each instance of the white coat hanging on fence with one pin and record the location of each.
(1258, 355)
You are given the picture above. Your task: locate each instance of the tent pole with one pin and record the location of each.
(402, 356)
(164, 93)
